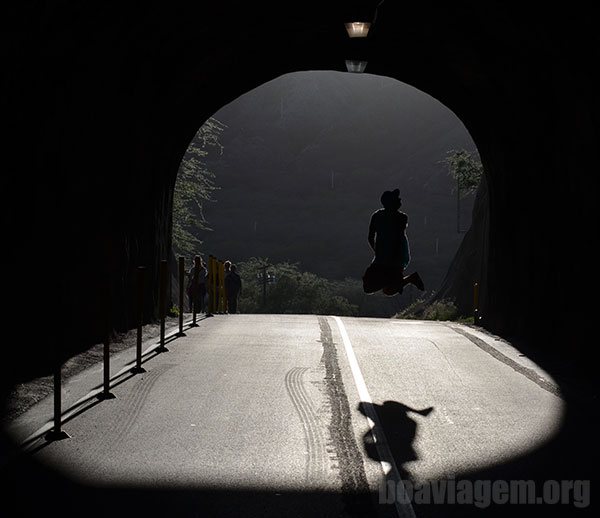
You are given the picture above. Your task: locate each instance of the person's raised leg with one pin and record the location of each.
(414, 279)
(372, 280)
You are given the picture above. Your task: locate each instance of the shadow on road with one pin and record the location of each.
(563, 461)
(399, 429)
(34, 489)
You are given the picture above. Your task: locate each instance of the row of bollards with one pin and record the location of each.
(57, 433)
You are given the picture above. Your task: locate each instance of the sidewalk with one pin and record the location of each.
(30, 406)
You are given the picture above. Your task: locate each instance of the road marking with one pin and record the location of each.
(529, 373)
(403, 508)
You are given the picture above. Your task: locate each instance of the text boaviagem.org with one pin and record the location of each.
(483, 493)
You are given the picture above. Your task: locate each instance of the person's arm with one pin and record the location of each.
(372, 233)
(405, 246)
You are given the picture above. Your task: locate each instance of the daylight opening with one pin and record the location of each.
(282, 182)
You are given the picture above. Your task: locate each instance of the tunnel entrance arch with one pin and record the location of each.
(521, 81)
(302, 160)
(525, 94)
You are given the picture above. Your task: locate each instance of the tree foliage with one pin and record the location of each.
(465, 168)
(194, 186)
(293, 291)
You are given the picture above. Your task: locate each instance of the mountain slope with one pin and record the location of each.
(306, 158)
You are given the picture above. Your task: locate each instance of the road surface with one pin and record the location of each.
(294, 415)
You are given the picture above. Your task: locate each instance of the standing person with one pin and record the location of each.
(196, 287)
(387, 238)
(233, 288)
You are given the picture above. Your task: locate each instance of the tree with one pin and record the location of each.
(293, 291)
(466, 170)
(194, 187)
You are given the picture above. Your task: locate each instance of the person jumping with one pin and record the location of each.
(387, 238)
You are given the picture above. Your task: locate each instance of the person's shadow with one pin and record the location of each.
(393, 423)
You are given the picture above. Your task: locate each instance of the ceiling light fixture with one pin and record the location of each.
(355, 65)
(360, 29)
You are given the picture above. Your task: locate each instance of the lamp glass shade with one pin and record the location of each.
(355, 65)
(358, 29)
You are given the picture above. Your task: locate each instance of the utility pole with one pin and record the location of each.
(264, 283)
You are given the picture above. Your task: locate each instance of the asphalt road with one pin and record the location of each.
(300, 415)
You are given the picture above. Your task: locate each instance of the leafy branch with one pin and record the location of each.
(195, 186)
(465, 168)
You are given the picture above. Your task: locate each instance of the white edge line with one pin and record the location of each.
(390, 470)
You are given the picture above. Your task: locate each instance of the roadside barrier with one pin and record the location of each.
(162, 301)
(106, 393)
(57, 433)
(217, 301)
(193, 295)
(215, 283)
(139, 309)
(181, 265)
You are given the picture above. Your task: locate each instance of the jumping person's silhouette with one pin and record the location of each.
(387, 238)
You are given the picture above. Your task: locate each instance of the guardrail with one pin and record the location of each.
(216, 304)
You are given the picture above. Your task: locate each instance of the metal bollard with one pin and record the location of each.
(162, 303)
(139, 306)
(181, 298)
(194, 295)
(476, 316)
(57, 433)
(106, 393)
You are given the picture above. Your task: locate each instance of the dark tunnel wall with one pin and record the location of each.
(101, 104)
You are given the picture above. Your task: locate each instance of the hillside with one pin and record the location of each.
(306, 157)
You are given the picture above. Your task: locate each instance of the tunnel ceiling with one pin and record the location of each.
(103, 101)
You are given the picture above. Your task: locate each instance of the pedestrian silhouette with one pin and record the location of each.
(387, 238)
(226, 270)
(233, 288)
(196, 287)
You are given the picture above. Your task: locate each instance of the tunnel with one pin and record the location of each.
(110, 101)
(102, 102)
